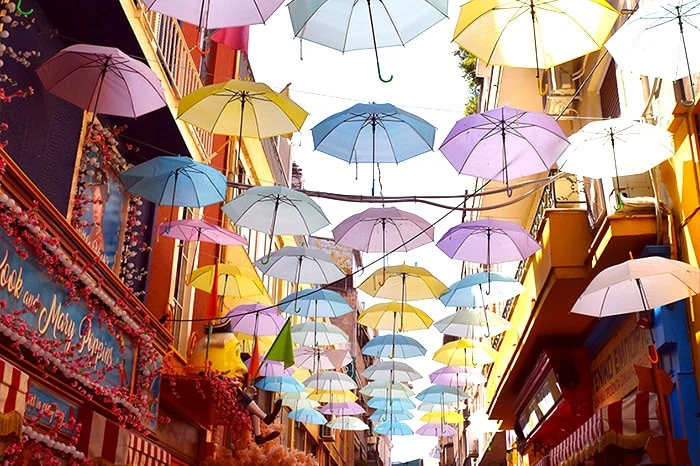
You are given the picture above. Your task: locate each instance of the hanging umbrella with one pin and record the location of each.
(214, 14)
(443, 417)
(382, 416)
(256, 320)
(427, 406)
(200, 231)
(373, 133)
(271, 368)
(248, 341)
(391, 371)
(464, 352)
(616, 147)
(391, 428)
(470, 292)
(456, 376)
(102, 80)
(442, 394)
(472, 323)
(401, 345)
(317, 359)
(315, 302)
(332, 396)
(395, 317)
(385, 389)
(397, 404)
(348, 408)
(281, 384)
(362, 25)
(299, 403)
(330, 381)
(298, 264)
(436, 430)
(347, 423)
(504, 144)
(663, 30)
(533, 34)
(403, 283)
(318, 333)
(242, 282)
(175, 181)
(307, 416)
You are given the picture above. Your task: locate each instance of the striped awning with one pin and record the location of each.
(102, 438)
(13, 398)
(543, 462)
(144, 453)
(627, 423)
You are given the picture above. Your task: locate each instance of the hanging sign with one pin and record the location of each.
(51, 410)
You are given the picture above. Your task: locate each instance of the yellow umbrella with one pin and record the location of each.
(237, 281)
(538, 33)
(247, 342)
(465, 352)
(448, 417)
(403, 283)
(335, 396)
(397, 317)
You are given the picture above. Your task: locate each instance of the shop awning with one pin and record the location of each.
(102, 438)
(543, 462)
(13, 398)
(144, 453)
(627, 423)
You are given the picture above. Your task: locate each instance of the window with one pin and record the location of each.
(182, 295)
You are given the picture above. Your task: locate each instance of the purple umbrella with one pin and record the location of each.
(216, 14)
(271, 368)
(256, 319)
(349, 408)
(199, 230)
(457, 376)
(102, 80)
(504, 143)
(436, 430)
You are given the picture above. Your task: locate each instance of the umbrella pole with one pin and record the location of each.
(210, 328)
(618, 196)
(393, 337)
(509, 190)
(240, 138)
(103, 74)
(374, 41)
(488, 260)
(196, 249)
(541, 89)
(317, 353)
(374, 144)
(486, 319)
(684, 102)
(266, 259)
(383, 248)
(172, 200)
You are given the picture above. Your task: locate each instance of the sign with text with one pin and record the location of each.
(24, 283)
(51, 410)
(612, 370)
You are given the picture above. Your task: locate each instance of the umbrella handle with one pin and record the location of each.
(689, 103)
(19, 9)
(542, 87)
(379, 71)
(198, 48)
(653, 355)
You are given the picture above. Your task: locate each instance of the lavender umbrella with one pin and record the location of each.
(271, 368)
(349, 408)
(527, 142)
(256, 319)
(216, 13)
(436, 430)
(199, 230)
(457, 376)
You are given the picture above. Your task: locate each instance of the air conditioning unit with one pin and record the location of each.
(326, 433)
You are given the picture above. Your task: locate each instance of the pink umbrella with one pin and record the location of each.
(315, 359)
(199, 230)
(457, 376)
(216, 13)
(349, 408)
(102, 80)
(436, 430)
(271, 368)
(256, 319)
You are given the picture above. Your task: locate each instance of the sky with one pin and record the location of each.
(428, 82)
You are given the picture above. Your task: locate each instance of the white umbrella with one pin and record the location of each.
(482, 289)
(638, 285)
(299, 403)
(320, 359)
(298, 264)
(330, 381)
(472, 323)
(391, 371)
(428, 406)
(386, 390)
(347, 423)
(318, 333)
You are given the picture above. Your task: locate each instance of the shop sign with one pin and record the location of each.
(612, 370)
(24, 283)
(50, 410)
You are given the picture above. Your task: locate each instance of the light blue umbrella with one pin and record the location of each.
(441, 394)
(373, 133)
(308, 416)
(314, 302)
(381, 416)
(473, 290)
(391, 428)
(404, 347)
(175, 181)
(346, 25)
(283, 384)
(397, 404)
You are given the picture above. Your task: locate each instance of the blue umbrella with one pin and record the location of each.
(373, 133)
(442, 394)
(476, 291)
(175, 181)
(314, 302)
(404, 347)
(308, 416)
(381, 416)
(393, 428)
(283, 384)
(395, 403)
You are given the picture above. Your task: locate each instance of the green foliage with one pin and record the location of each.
(467, 63)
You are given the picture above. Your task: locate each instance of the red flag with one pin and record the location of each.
(235, 38)
(213, 307)
(254, 366)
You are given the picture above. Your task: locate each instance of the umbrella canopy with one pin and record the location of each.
(299, 403)
(348, 408)
(403, 283)
(536, 34)
(427, 406)
(436, 430)
(400, 346)
(637, 285)
(442, 394)
(464, 352)
(281, 384)
(391, 371)
(373, 133)
(616, 147)
(307, 416)
(362, 25)
(456, 376)
(199, 230)
(395, 404)
(298, 264)
(175, 181)
(214, 14)
(385, 389)
(383, 229)
(397, 317)
(321, 359)
(315, 302)
(347, 423)
(276, 210)
(332, 396)
(447, 417)
(471, 290)
(330, 381)
(382, 416)
(391, 428)
(472, 323)
(242, 282)
(504, 144)
(102, 80)
(271, 368)
(256, 319)
(318, 333)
